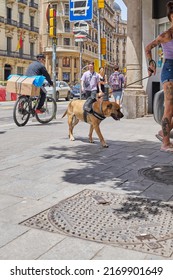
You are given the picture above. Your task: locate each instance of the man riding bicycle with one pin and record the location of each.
(38, 68)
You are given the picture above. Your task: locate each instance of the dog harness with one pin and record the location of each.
(97, 115)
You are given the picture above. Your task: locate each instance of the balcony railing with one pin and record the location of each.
(10, 21)
(23, 26)
(67, 30)
(16, 55)
(24, 2)
(2, 19)
(34, 29)
(10, 1)
(33, 5)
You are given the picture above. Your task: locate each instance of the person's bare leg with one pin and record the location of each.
(160, 132)
(167, 117)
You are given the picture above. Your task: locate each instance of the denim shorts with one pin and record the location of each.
(117, 94)
(167, 71)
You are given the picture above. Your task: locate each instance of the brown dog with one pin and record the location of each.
(103, 109)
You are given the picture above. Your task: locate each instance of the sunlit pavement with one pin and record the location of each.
(40, 167)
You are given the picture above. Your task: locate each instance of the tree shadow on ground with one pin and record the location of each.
(116, 167)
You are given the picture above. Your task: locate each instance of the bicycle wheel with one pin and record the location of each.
(50, 111)
(21, 112)
(158, 106)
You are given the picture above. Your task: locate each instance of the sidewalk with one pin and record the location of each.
(110, 203)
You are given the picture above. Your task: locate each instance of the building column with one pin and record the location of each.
(60, 66)
(72, 69)
(135, 98)
(2, 70)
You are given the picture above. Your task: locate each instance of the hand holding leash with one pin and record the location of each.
(152, 67)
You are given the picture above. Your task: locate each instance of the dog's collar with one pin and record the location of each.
(98, 116)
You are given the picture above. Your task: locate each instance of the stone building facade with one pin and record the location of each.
(68, 51)
(27, 19)
(19, 21)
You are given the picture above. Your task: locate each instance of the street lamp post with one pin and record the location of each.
(99, 38)
(80, 38)
(80, 63)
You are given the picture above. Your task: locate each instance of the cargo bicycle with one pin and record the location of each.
(25, 107)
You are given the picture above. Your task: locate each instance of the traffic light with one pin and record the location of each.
(52, 22)
(103, 63)
(96, 65)
(101, 4)
(103, 46)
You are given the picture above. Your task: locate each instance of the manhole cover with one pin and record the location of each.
(159, 173)
(126, 221)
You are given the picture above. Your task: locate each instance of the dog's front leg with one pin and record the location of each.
(97, 129)
(70, 124)
(90, 134)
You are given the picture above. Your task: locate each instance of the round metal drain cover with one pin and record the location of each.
(159, 173)
(127, 221)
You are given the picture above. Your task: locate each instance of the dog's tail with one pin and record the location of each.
(65, 113)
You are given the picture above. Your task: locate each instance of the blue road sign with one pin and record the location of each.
(81, 10)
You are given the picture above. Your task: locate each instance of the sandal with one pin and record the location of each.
(167, 149)
(158, 136)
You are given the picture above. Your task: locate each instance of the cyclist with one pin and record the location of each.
(38, 68)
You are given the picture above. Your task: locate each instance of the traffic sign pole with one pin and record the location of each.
(99, 38)
(54, 40)
(51, 18)
(80, 62)
(80, 39)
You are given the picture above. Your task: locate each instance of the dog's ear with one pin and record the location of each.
(109, 106)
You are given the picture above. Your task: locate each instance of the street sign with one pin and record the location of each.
(81, 10)
(77, 40)
(81, 26)
(80, 38)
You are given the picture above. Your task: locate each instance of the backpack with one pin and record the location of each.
(115, 81)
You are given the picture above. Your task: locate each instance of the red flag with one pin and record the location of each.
(20, 42)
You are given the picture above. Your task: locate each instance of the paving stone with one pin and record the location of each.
(72, 249)
(30, 245)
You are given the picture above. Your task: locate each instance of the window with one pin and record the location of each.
(8, 45)
(75, 63)
(54, 6)
(66, 62)
(67, 41)
(20, 71)
(66, 76)
(9, 12)
(32, 50)
(66, 26)
(32, 22)
(20, 19)
(66, 9)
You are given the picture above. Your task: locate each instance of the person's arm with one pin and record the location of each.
(99, 83)
(47, 76)
(106, 79)
(163, 38)
(82, 83)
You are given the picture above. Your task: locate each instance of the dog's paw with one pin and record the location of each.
(72, 138)
(105, 146)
